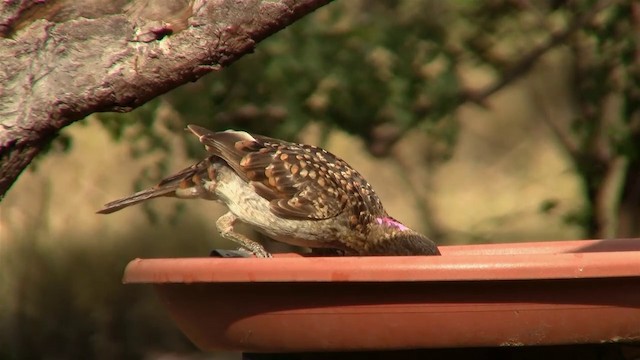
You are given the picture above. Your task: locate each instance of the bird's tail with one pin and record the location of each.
(186, 184)
(136, 198)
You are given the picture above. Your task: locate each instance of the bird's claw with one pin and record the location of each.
(258, 252)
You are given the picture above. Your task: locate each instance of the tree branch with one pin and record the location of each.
(562, 136)
(526, 62)
(54, 72)
(518, 68)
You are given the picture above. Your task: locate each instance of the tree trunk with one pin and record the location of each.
(63, 60)
(629, 207)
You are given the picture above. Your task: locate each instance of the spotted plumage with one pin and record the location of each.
(294, 193)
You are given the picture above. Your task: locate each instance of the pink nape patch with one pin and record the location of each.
(387, 221)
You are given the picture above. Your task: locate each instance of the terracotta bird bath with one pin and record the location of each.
(571, 292)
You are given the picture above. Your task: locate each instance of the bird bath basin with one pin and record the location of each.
(570, 292)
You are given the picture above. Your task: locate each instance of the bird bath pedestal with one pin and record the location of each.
(546, 293)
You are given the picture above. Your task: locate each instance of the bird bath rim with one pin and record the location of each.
(544, 293)
(515, 261)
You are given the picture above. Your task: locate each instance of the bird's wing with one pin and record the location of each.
(300, 181)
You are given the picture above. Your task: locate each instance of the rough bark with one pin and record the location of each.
(63, 60)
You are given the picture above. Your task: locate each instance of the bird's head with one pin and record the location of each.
(391, 237)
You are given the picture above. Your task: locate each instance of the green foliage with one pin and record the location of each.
(353, 65)
(607, 74)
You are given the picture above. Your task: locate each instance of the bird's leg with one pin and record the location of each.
(225, 226)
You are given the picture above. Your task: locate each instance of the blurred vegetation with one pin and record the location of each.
(380, 70)
(69, 303)
(63, 297)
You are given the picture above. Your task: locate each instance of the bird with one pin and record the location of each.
(294, 193)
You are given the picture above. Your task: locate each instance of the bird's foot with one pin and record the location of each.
(225, 226)
(238, 253)
(257, 252)
(229, 254)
